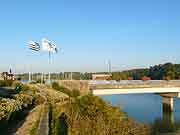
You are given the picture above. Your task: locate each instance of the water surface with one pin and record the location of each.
(148, 108)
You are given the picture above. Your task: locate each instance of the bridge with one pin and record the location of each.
(167, 89)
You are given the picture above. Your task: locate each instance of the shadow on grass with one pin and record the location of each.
(7, 93)
(17, 119)
(63, 126)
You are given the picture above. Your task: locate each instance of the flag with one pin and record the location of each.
(46, 45)
(49, 46)
(53, 48)
(34, 46)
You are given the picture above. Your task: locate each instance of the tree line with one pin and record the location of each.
(167, 71)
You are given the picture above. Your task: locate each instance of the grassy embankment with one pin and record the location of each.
(69, 112)
(16, 109)
(90, 115)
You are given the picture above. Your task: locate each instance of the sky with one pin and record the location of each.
(129, 33)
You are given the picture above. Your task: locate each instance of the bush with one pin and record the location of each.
(39, 81)
(16, 84)
(20, 87)
(39, 99)
(90, 115)
(75, 93)
(2, 83)
(6, 83)
(56, 86)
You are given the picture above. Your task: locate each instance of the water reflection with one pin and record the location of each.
(166, 124)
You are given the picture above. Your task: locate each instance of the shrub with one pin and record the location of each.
(16, 84)
(24, 87)
(20, 87)
(40, 81)
(56, 86)
(75, 93)
(2, 83)
(39, 99)
(5, 83)
(90, 115)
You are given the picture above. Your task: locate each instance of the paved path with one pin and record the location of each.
(44, 122)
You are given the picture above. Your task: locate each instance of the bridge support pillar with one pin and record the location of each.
(168, 104)
(168, 107)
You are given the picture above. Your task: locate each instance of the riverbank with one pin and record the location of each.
(71, 113)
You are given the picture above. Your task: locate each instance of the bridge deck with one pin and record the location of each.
(136, 91)
(133, 84)
(135, 87)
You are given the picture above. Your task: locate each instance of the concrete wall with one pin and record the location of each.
(81, 85)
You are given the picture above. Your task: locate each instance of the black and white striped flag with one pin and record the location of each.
(34, 46)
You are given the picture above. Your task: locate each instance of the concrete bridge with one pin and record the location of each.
(167, 89)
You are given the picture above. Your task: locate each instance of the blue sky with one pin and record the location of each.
(131, 33)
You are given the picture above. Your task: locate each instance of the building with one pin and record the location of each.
(101, 76)
(7, 76)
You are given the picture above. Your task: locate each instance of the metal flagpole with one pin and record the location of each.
(51, 48)
(30, 73)
(29, 76)
(42, 78)
(49, 65)
(35, 47)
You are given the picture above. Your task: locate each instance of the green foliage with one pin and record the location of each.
(165, 126)
(21, 87)
(90, 115)
(39, 99)
(75, 93)
(39, 81)
(70, 93)
(6, 83)
(157, 72)
(27, 97)
(16, 84)
(55, 86)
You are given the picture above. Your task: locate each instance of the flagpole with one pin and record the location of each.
(49, 65)
(30, 73)
(35, 47)
(42, 78)
(29, 76)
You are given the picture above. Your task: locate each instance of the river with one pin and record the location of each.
(147, 108)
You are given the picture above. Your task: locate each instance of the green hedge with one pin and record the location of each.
(70, 93)
(6, 83)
